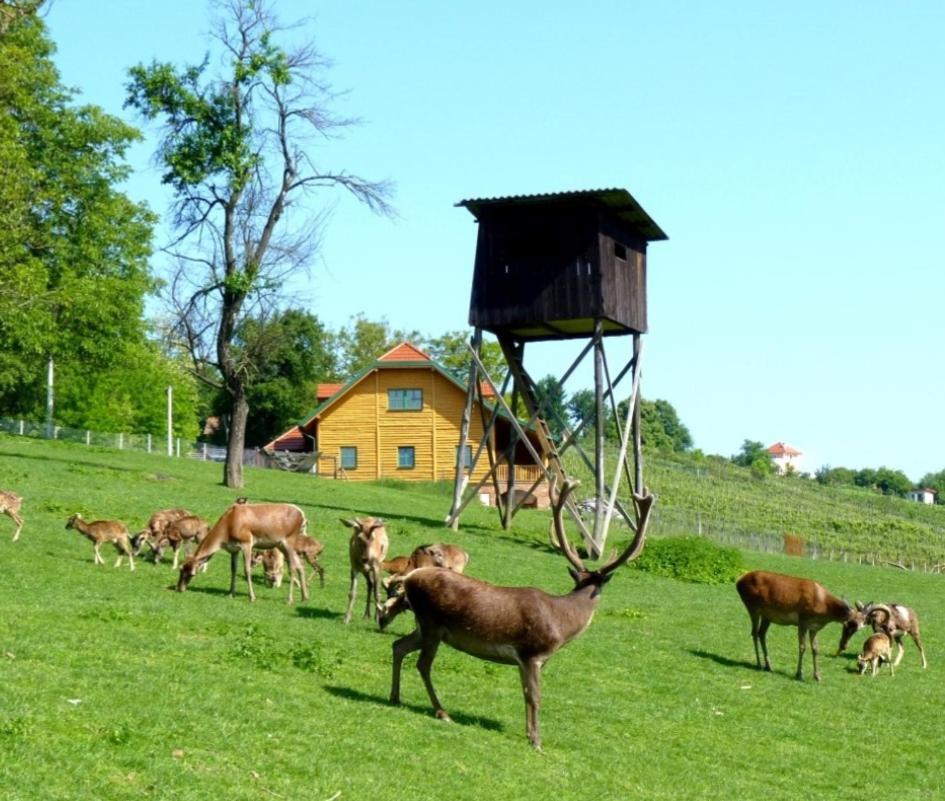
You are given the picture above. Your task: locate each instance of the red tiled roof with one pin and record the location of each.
(291, 440)
(325, 391)
(782, 449)
(405, 352)
(486, 389)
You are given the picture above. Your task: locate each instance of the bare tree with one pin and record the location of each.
(237, 151)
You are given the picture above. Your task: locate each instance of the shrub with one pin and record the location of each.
(691, 559)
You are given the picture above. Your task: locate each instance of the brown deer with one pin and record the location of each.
(243, 527)
(791, 601)
(102, 531)
(367, 550)
(876, 650)
(896, 620)
(153, 532)
(178, 533)
(273, 562)
(520, 626)
(437, 555)
(10, 504)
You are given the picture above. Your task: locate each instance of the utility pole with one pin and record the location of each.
(50, 375)
(170, 421)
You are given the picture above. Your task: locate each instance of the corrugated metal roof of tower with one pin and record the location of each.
(617, 199)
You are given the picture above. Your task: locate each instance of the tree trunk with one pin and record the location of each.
(233, 469)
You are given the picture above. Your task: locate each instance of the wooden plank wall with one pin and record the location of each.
(361, 418)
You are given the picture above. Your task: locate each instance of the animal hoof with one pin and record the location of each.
(442, 715)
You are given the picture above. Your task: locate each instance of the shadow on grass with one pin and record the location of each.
(425, 710)
(314, 613)
(723, 660)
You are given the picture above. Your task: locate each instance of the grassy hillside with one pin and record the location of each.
(725, 502)
(114, 687)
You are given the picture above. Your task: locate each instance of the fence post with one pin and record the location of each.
(149, 443)
(21, 428)
(205, 451)
(88, 437)
(121, 441)
(178, 447)
(55, 433)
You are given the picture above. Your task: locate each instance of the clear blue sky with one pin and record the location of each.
(794, 153)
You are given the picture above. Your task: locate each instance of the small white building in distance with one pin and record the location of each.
(785, 457)
(924, 495)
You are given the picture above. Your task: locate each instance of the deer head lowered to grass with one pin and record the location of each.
(521, 626)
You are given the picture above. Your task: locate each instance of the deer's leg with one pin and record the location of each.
(763, 639)
(917, 639)
(755, 620)
(248, 565)
(428, 649)
(177, 546)
(400, 649)
(815, 652)
(351, 594)
(321, 573)
(372, 577)
(801, 648)
(19, 524)
(296, 568)
(531, 687)
(234, 556)
(126, 547)
(97, 559)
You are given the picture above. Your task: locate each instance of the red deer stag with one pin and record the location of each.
(367, 550)
(520, 626)
(791, 601)
(102, 531)
(437, 555)
(896, 620)
(245, 526)
(10, 504)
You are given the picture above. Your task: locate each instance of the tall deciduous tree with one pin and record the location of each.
(362, 341)
(451, 350)
(73, 249)
(236, 151)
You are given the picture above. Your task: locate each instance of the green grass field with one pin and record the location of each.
(114, 687)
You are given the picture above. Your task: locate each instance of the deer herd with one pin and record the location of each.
(520, 626)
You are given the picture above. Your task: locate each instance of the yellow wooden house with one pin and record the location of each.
(399, 418)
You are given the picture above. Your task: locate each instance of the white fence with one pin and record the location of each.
(147, 443)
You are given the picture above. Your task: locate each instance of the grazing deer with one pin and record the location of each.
(791, 601)
(102, 531)
(876, 650)
(243, 527)
(520, 626)
(437, 555)
(154, 531)
(367, 550)
(179, 532)
(273, 562)
(10, 504)
(894, 619)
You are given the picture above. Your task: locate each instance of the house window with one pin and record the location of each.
(467, 456)
(405, 400)
(406, 457)
(349, 457)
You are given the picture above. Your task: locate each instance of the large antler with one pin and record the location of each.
(560, 537)
(643, 504)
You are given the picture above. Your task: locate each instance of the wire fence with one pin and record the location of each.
(926, 556)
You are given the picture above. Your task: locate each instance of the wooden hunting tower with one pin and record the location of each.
(566, 265)
(549, 266)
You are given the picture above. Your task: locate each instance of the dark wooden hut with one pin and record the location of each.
(549, 266)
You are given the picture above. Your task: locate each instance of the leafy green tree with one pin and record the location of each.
(73, 249)
(836, 475)
(451, 351)
(581, 407)
(661, 428)
(755, 455)
(130, 394)
(292, 353)
(935, 481)
(234, 151)
(552, 401)
(363, 341)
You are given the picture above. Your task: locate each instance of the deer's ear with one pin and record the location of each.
(859, 605)
(348, 523)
